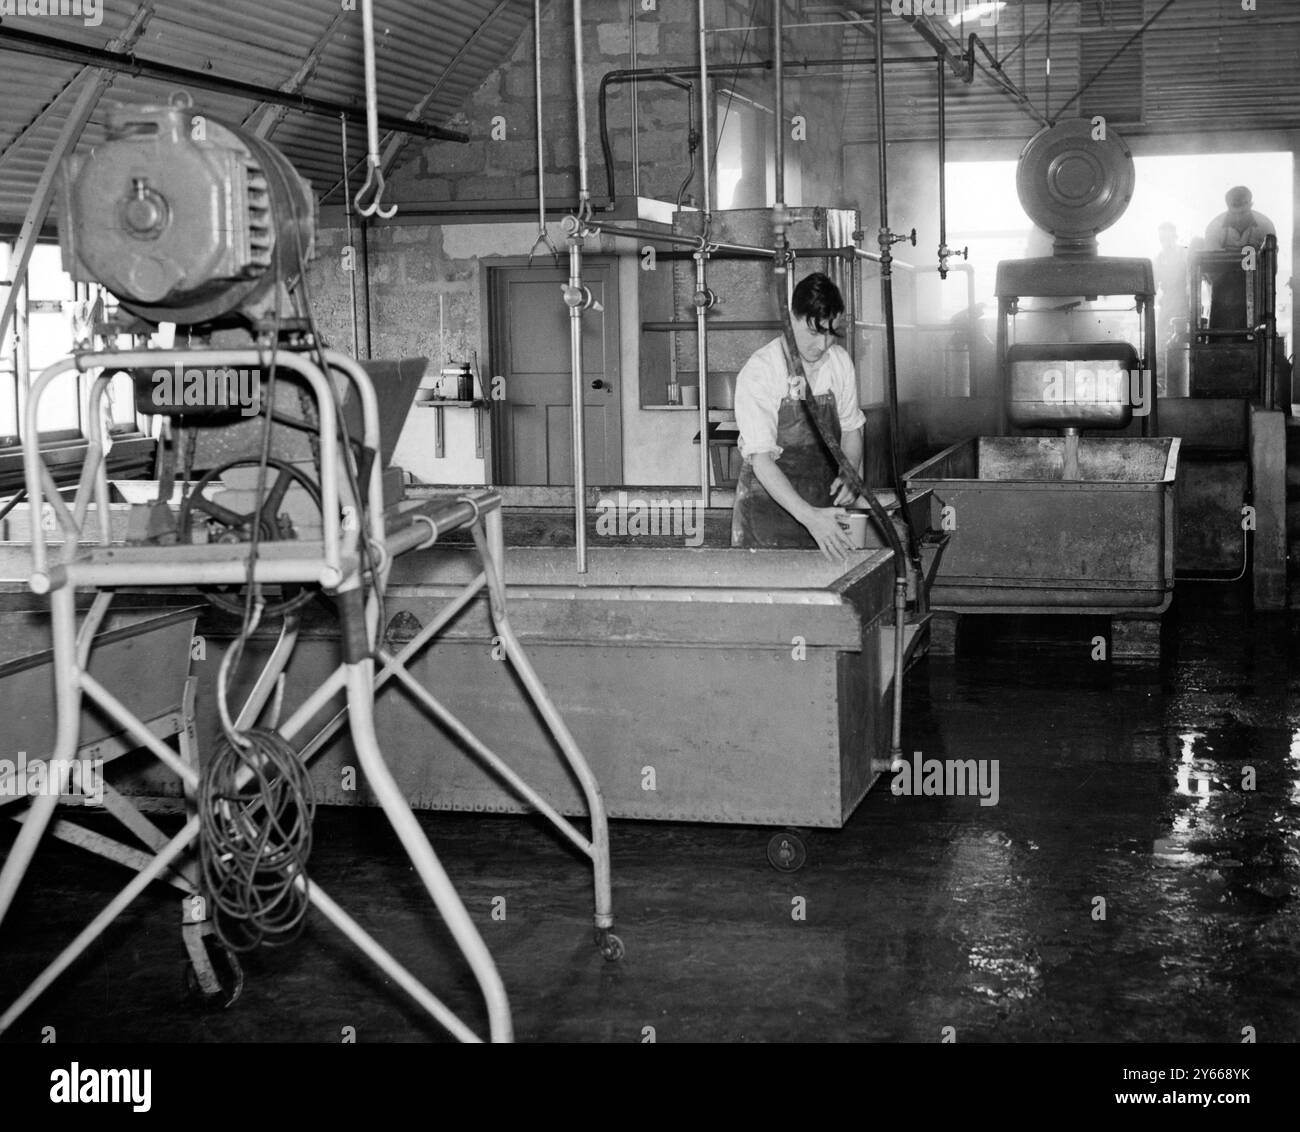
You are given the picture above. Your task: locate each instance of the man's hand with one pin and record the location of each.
(841, 495)
(823, 525)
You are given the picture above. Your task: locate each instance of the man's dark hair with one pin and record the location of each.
(818, 300)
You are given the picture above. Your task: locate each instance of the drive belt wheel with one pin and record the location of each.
(234, 527)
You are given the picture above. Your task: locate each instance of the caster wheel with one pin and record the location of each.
(786, 852)
(611, 947)
(230, 975)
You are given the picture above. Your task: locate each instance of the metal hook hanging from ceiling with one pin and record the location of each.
(543, 239)
(374, 183)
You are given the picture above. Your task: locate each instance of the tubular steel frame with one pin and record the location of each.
(335, 563)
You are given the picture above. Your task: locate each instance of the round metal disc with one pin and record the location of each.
(1072, 185)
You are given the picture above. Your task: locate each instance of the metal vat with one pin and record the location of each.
(701, 684)
(1025, 540)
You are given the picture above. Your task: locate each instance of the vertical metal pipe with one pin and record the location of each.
(1047, 66)
(368, 60)
(636, 120)
(886, 258)
(22, 344)
(778, 82)
(882, 167)
(702, 362)
(943, 175)
(580, 90)
(537, 78)
(575, 298)
(701, 256)
(365, 283)
(886, 241)
(706, 143)
(851, 280)
(347, 215)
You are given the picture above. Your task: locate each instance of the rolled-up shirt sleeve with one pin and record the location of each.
(759, 388)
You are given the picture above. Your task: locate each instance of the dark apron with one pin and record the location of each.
(757, 519)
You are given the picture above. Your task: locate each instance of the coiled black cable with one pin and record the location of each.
(255, 839)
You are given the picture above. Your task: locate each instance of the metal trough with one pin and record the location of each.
(142, 654)
(1027, 540)
(705, 685)
(702, 684)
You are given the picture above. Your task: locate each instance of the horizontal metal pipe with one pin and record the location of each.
(748, 249)
(123, 62)
(772, 324)
(633, 233)
(875, 257)
(761, 65)
(740, 252)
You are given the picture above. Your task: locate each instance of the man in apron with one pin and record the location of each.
(788, 494)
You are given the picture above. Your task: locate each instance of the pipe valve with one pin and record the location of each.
(946, 253)
(704, 299)
(886, 239)
(581, 298)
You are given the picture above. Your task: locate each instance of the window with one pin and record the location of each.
(52, 300)
(745, 165)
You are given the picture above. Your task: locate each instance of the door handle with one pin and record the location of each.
(599, 384)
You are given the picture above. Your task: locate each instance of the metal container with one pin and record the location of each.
(1024, 540)
(702, 684)
(141, 655)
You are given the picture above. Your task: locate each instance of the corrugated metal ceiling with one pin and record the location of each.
(1205, 64)
(446, 49)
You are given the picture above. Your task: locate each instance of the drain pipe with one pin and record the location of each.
(704, 298)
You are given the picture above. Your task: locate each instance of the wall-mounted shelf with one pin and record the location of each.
(440, 424)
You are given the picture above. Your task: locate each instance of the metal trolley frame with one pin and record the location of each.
(335, 563)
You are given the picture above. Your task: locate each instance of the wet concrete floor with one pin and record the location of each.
(1127, 886)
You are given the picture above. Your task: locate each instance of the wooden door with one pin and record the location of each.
(530, 350)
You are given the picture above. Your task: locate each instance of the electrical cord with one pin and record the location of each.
(255, 839)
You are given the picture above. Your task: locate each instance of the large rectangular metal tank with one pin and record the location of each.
(701, 684)
(1025, 540)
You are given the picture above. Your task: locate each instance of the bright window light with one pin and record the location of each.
(1187, 191)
